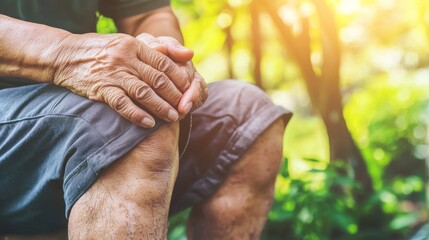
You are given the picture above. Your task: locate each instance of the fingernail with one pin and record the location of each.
(172, 115)
(188, 108)
(147, 122)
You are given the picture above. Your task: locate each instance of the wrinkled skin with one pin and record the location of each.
(126, 73)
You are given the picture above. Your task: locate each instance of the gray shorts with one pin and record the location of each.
(54, 144)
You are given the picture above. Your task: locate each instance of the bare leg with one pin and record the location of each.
(239, 208)
(131, 199)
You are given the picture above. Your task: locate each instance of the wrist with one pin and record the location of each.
(70, 51)
(53, 55)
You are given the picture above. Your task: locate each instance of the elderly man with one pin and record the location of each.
(107, 135)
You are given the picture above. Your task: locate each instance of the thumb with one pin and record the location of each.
(152, 42)
(176, 51)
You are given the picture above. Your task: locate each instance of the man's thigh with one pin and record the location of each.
(54, 146)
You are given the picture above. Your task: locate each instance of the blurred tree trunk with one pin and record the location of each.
(256, 45)
(324, 90)
(229, 43)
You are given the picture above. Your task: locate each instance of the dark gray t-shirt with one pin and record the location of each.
(76, 16)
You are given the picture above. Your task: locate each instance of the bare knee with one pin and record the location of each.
(156, 154)
(133, 193)
(258, 168)
(147, 172)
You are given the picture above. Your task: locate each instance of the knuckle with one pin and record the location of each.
(203, 86)
(95, 92)
(142, 70)
(101, 91)
(189, 72)
(203, 93)
(121, 79)
(119, 102)
(159, 108)
(120, 44)
(176, 99)
(142, 91)
(160, 81)
(181, 79)
(162, 64)
(130, 114)
(184, 73)
(127, 40)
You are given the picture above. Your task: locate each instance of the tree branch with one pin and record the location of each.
(298, 47)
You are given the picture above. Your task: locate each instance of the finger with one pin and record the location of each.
(176, 51)
(121, 103)
(144, 95)
(162, 63)
(194, 97)
(159, 82)
(153, 42)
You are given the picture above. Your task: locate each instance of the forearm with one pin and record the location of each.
(27, 49)
(161, 22)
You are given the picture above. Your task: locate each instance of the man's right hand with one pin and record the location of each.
(197, 92)
(134, 79)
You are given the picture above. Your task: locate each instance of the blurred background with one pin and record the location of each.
(356, 74)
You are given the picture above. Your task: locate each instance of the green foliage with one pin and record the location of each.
(105, 25)
(308, 207)
(177, 226)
